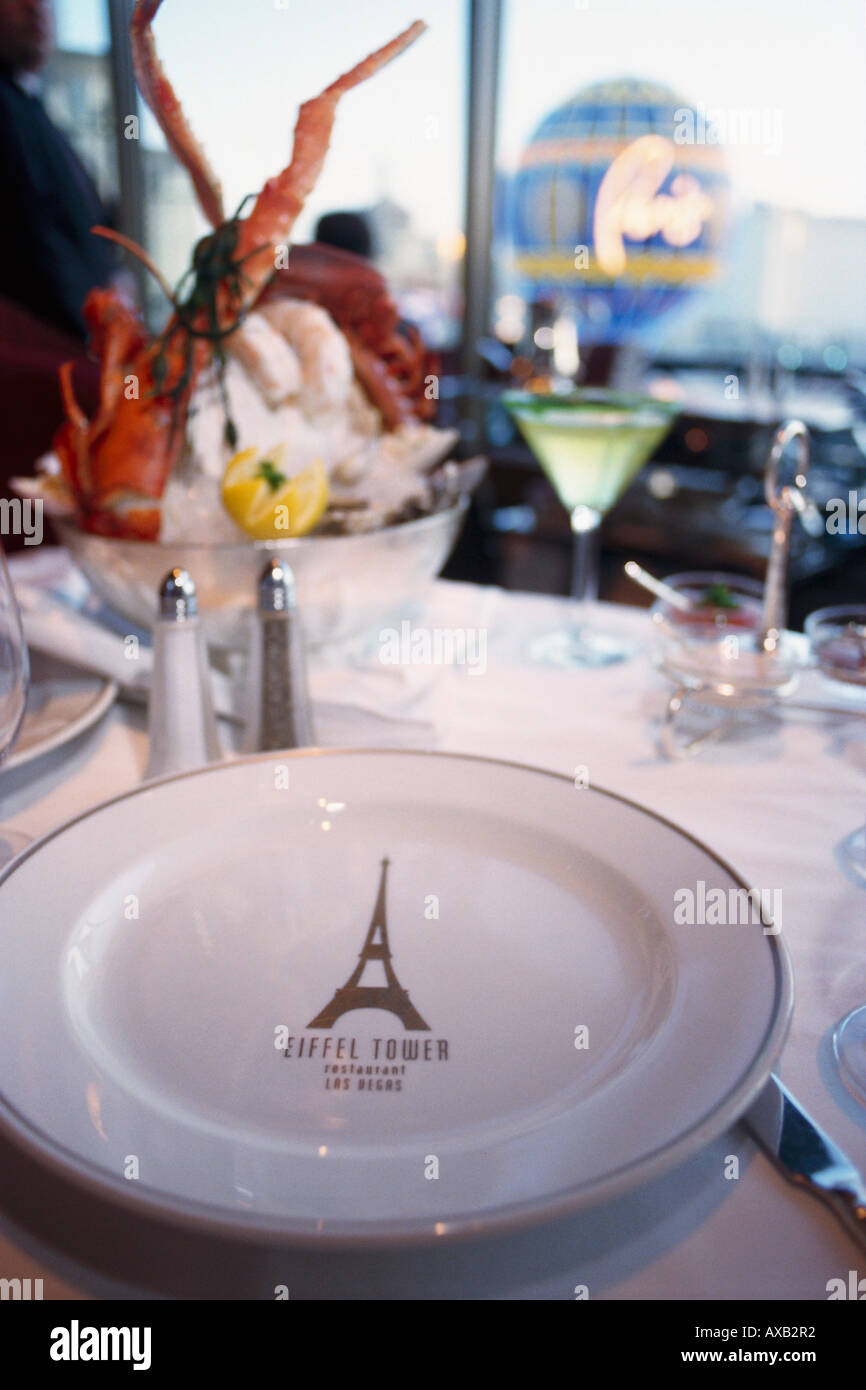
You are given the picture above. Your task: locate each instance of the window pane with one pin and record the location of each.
(77, 89)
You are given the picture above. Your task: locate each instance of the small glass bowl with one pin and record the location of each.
(838, 639)
(714, 648)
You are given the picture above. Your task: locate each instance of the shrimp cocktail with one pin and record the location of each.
(591, 444)
(283, 396)
(713, 643)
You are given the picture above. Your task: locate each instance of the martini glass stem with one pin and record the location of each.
(585, 528)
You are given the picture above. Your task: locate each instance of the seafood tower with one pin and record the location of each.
(283, 393)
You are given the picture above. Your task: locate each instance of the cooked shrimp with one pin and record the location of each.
(326, 363)
(269, 358)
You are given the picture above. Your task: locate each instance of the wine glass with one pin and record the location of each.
(14, 682)
(838, 639)
(849, 1036)
(591, 443)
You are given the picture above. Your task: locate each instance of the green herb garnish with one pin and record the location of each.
(270, 474)
(209, 303)
(718, 596)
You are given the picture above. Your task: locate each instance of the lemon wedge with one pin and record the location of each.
(267, 503)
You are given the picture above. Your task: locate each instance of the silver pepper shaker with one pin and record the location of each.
(182, 726)
(279, 712)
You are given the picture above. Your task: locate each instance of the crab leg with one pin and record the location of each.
(159, 95)
(283, 197)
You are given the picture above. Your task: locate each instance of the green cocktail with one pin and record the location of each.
(590, 451)
(591, 444)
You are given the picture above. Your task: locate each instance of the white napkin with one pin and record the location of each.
(54, 626)
(377, 714)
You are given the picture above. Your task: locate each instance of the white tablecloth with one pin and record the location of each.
(776, 807)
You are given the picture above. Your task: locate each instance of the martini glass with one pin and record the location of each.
(591, 444)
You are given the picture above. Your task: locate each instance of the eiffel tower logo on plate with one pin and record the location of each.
(390, 996)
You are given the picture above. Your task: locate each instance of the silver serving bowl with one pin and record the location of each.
(345, 585)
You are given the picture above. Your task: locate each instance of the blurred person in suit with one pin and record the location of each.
(49, 259)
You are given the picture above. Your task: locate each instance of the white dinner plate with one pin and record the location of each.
(62, 702)
(199, 1014)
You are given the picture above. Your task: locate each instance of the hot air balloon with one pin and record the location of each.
(619, 204)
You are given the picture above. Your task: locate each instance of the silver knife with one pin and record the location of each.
(805, 1156)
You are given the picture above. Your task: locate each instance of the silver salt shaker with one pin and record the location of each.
(279, 712)
(181, 726)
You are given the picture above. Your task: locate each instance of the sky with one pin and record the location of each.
(241, 69)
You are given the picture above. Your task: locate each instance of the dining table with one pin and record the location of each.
(777, 800)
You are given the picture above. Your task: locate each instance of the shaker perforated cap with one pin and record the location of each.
(276, 587)
(177, 600)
